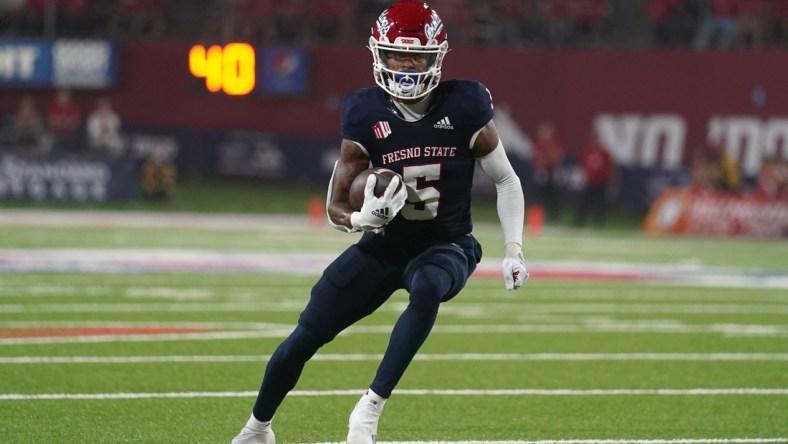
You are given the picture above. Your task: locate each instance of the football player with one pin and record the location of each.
(432, 133)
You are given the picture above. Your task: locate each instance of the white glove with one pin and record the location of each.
(514, 272)
(378, 211)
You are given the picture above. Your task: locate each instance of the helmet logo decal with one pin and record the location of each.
(383, 25)
(431, 30)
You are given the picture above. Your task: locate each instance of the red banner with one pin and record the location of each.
(696, 211)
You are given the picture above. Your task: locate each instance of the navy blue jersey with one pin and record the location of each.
(433, 154)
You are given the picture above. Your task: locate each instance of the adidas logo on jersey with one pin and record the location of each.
(382, 213)
(444, 124)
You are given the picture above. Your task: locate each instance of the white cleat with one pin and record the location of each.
(363, 423)
(249, 436)
(255, 432)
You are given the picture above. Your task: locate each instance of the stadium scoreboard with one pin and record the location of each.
(230, 69)
(240, 69)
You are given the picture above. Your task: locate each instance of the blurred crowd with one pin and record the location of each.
(592, 171)
(61, 127)
(714, 168)
(553, 23)
(722, 24)
(478, 22)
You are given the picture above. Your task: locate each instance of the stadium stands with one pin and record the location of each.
(551, 23)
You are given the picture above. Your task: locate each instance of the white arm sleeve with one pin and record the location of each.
(511, 204)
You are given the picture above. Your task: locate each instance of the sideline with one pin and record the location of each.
(418, 357)
(313, 264)
(413, 392)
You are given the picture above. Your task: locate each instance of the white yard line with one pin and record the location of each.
(421, 357)
(297, 306)
(210, 325)
(603, 441)
(142, 220)
(153, 307)
(412, 392)
(281, 332)
(534, 324)
(209, 336)
(655, 294)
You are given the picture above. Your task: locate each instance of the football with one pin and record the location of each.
(356, 193)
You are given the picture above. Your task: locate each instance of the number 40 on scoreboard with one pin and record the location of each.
(230, 69)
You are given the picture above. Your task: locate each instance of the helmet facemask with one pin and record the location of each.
(407, 83)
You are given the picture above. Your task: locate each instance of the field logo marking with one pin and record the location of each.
(212, 261)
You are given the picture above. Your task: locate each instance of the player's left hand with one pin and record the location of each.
(513, 266)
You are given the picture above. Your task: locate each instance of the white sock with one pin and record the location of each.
(377, 399)
(257, 425)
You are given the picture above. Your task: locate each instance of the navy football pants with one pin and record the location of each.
(359, 281)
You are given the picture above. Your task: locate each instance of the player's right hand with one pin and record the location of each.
(513, 266)
(378, 211)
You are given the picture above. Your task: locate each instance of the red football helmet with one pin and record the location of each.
(409, 27)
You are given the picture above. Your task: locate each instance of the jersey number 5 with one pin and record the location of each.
(423, 201)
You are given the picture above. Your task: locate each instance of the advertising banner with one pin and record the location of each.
(88, 64)
(277, 156)
(697, 211)
(25, 63)
(68, 178)
(84, 64)
(284, 71)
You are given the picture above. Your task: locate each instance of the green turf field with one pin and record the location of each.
(175, 355)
